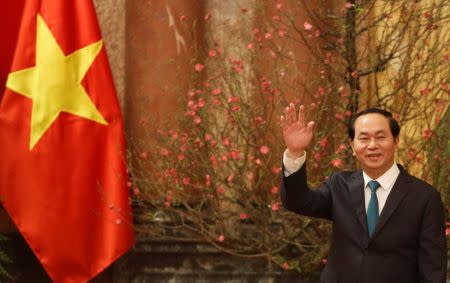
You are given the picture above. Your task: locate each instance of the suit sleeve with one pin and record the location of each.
(297, 197)
(432, 243)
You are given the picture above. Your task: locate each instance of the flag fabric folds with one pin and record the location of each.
(63, 177)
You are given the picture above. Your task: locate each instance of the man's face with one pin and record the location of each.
(374, 145)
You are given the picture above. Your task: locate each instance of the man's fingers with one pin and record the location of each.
(283, 122)
(301, 116)
(310, 126)
(290, 114)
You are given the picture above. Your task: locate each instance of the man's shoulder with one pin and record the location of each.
(417, 184)
(345, 176)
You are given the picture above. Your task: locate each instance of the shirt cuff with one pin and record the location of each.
(292, 165)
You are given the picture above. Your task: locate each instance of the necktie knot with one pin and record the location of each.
(373, 185)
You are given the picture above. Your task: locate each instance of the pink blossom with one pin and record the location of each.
(259, 120)
(323, 142)
(129, 184)
(337, 163)
(282, 32)
(186, 181)
(221, 238)
(275, 207)
(264, 149)
(212, 53)
(276, 170)
(167, 204)
(216, 91)
(317, 33)
(180, 156)
(339, 116)
(197, 120)
(427, 134)
(136, 191)
(274, 190)
(258, 161)
(191, 93)
(191, 104)
(230, 179)
(144, 155)
(285, 266)
(349, 5)
(173, 134)
(201, 103)
(425, 92)
(243, 216)
(354, 74)
(164, 152)
(208, 180)
(207, 16)
(250, 176)
(268, 35)
(321, 90)
(183, 17)
(199, 67)
(235, 154)
(272, 54)
(236, 108)
(250, 46)
(226, 142)
(220, 190)
(341, 148)
(215, 101)
(307, 26)
(317, 156)
(238, 68)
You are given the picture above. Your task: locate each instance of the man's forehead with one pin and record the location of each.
(371, 121)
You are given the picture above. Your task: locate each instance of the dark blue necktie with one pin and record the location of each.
(372, 209)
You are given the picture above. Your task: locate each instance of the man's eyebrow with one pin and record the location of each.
(376, 133)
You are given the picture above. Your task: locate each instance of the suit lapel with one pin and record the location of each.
(356, 190)
(398, 192)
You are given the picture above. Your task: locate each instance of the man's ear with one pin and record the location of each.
(351, 145)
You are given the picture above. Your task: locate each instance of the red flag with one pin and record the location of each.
(10, 16)
(62, 170)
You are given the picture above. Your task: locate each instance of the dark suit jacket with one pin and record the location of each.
(408, 244)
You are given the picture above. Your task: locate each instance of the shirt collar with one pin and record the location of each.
(387, 179)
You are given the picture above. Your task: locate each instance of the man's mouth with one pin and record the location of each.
(374, 155)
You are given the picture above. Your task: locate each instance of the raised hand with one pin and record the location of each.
(297, 135)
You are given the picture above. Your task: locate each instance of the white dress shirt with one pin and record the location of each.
(386, 180)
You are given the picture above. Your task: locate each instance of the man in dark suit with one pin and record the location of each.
(388, 226)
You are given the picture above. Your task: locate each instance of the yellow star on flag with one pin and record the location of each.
(54, 84)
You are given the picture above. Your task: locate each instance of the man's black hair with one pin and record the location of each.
(393, 124)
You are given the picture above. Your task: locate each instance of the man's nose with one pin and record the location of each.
(372, 143)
